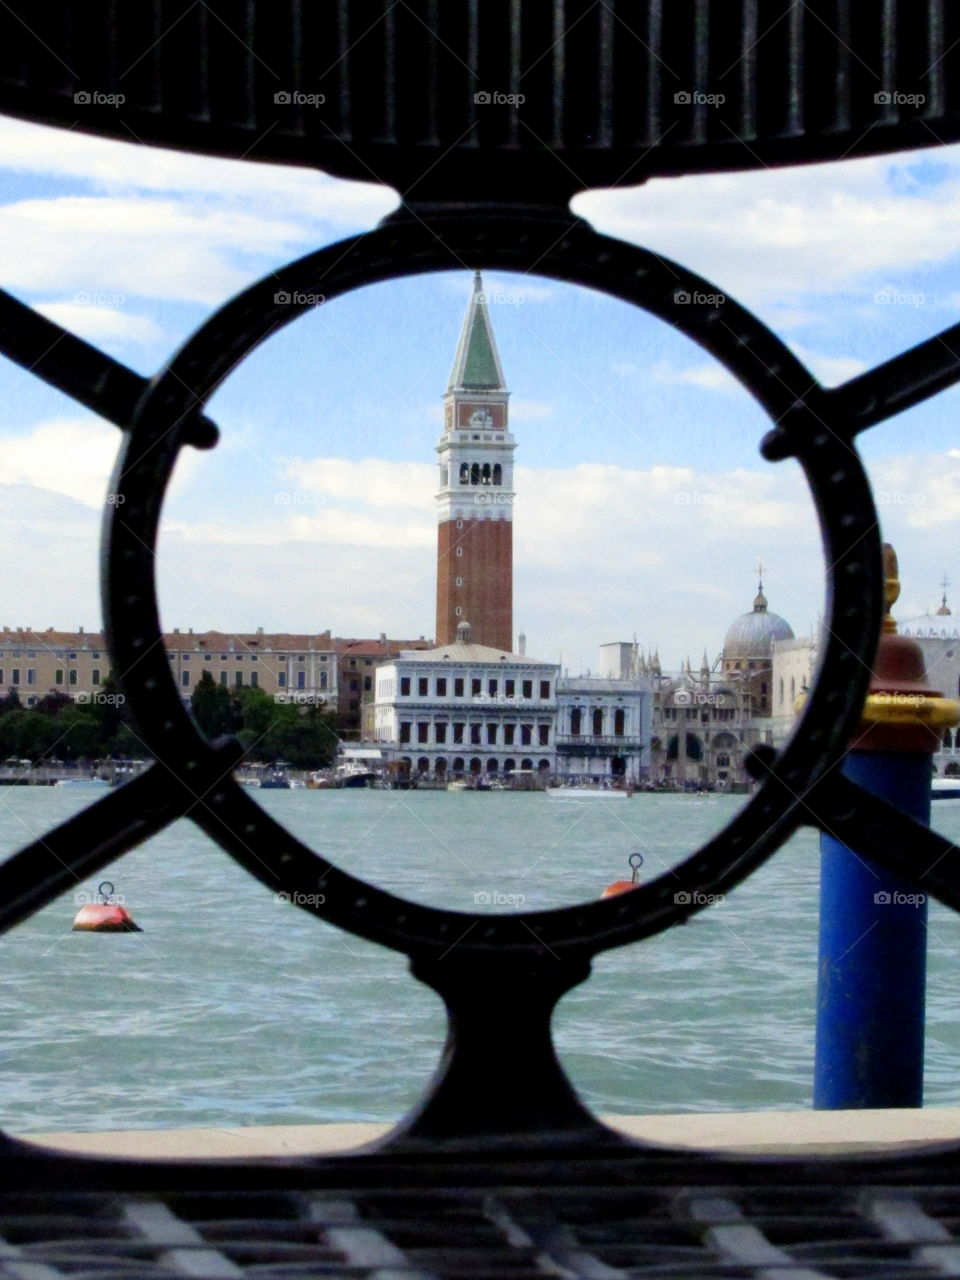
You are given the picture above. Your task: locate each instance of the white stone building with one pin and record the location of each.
(466, 708)
(603, 728)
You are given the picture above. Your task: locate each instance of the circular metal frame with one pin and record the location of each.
(567, 250)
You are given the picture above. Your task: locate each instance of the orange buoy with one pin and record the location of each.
(618, 886)
(108, 916)
(621, 886)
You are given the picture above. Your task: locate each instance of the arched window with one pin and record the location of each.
(485, 474)
(526, 763)
(793, 690)
(458, 764)
(423, 764)
(440, 768)
(497, 473)
(475, 473)
(781, 691)
(598, 722)
(475, 765)
(464, 473)
(576, 721)
(543, 766)
(509, 766)
(444, 477)
(618, 722)
(492, 765)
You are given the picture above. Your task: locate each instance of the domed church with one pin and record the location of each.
(748, 650)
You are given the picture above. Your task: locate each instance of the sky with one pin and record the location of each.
(643, 506)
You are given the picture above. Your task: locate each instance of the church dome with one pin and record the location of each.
(752, 634)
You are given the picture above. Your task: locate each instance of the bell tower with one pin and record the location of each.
(475, 500)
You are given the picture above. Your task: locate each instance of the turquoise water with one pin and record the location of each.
(231, 1008)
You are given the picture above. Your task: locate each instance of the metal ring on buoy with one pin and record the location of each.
(621, 886)
(105, 916)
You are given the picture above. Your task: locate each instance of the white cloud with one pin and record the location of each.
(101, 323)
(154, 248)
(126, 167)
(74, 457)
(779, 233)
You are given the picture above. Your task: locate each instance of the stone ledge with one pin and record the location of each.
(796, 1132)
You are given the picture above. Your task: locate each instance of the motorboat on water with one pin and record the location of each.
(589, 793)
(945, 789)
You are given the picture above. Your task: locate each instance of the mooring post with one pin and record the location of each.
(871, 975)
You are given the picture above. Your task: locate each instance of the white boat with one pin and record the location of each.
(458, 784)
(82, 782)
(945, 789)
(588, 793)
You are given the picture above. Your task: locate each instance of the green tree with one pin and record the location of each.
(212, 707)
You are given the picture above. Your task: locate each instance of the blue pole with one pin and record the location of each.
(871, 974)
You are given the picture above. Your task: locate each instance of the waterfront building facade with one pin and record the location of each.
(467, 708)
(706, 723)
(475, 497)
(309, 669)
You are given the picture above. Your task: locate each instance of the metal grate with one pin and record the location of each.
(828, 1232)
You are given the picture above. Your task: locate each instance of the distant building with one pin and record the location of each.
(475, 499)
(706, 724)
(318, 669)
(467, 708)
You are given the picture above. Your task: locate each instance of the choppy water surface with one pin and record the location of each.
(231, 1008)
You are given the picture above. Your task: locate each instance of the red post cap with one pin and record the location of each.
(902, 712)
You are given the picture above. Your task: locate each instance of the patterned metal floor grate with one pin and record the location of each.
(777, 1233)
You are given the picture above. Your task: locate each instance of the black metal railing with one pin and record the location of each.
(490, 189)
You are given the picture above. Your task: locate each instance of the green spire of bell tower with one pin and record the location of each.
(476, 366)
